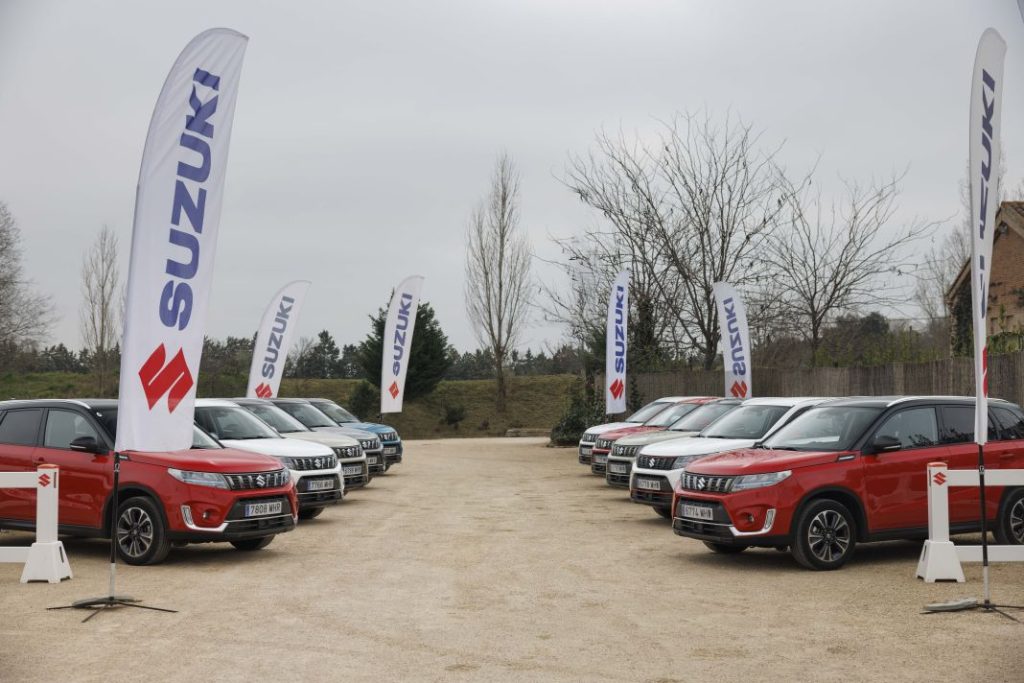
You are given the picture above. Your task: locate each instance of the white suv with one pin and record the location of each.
(589, 438)
(314, 467)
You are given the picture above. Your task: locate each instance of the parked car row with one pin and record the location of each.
(256, 467)
(815, 476)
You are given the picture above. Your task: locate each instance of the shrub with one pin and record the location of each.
(454, 414)
(583, 411)
(365, 401)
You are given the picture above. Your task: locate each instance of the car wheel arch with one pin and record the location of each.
(133, 490)
(841, 495)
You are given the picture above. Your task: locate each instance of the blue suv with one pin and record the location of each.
(388, 435)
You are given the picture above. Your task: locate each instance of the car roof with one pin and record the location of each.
(215, 403)
(288, 400)
(246, 401)
(889, 401)
(43, 403)
(788, 401)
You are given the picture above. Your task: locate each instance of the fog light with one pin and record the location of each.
(750, 518)
(206, 515)
(186, 513)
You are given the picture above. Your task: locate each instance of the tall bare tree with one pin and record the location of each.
(841, 257)
(25, 315)
(101, 304)
(497, 283)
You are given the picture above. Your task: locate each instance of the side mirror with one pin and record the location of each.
(883, 443)
(86, 444)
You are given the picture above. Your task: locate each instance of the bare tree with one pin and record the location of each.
(100, 310)
(497, 284)
(841, 258)
(25, 315)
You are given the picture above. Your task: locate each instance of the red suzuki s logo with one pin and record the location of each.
(738, 389)
(393, 390)
(264, 390)
(173, 379)
(616, 388)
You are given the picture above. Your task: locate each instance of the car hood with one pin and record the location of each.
(346, 431)
(759, 461)
(696, 446)
(655, 437)
(617, 434)
(287, 448)
(607, 427)
(370, 427)
(332, 439)
(223, 460)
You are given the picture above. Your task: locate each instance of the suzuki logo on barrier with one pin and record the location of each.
(173, 379)
(939, 478)
(393, 390)
(738, 389)
(273, 349)
(44, 480)
(616, 388)
(263, 390)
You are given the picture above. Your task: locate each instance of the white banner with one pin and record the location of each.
(732, 320)
(174, 239)
(986, 98)
(397, 343)
(615, 346)
(274, 339)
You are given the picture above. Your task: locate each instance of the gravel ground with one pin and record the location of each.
(499, 559)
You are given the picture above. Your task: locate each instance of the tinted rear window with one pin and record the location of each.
(1012, 423)
(20, 427)
(958, 425)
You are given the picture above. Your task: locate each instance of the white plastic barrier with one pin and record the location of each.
(44, 560)
(940, 559)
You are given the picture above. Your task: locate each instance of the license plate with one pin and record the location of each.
(649, 484)
(320, 484)
(260, 509)
(391, 450)
(586, 451)
(353, 469)
(599, 459)
(372, 460)
(697, 512)
(617, 467)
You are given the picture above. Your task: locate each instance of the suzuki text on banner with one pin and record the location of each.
(397, 343)
(732, 320)
(615, 346)
(986, 98)
(274, 339)
(174, 237)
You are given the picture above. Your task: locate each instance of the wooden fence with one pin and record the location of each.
(951, 376)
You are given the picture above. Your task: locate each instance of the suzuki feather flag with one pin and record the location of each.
(732, 320)
(615, 346)
(397, 343)
(274, 339)
(174, 237)
(986, 98)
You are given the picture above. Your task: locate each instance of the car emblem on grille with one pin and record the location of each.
(650, 462)
(701, 483)
(261, 481)
(316, 463)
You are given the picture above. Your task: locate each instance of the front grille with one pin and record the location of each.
(706, 530)
(589, 437)
(258, 480)
(320, 462)
(625, 451)
(604, 443)
(349, 452)
(655, 462)
(370, 444)
(389, 436)
(707, 483)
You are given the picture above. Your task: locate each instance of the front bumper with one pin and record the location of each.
(617, 473)
(315, 498)
(392, 451)
(375, 461)
(750, 518)
(585, 452)
(355, 480)
(598, 462)
(236, 526)
(659, 496)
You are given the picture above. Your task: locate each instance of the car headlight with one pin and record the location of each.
(211, 479)
(287, 462)
(757, 481)
(682, 461)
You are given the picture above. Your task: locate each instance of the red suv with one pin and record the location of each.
(850, 471)
(208, 493)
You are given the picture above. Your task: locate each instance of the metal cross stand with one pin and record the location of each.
(970, 603)
(111, 599)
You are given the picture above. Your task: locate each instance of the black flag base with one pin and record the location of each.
(111, 599)
(970, 604)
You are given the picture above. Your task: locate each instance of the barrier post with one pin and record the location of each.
(939, 560)
(46, 560)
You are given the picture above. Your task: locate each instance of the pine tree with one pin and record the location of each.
(428, 357)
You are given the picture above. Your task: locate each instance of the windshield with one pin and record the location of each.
(307, 415)
(233, 423)
(200, 439)
(647, 412)
(824, 429)
(671, 414)
(700, 418)
(746, 422)
(276, 418)
(335, 412)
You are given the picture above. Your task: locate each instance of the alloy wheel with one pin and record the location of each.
(1017, 521)
(828, 536)
(134, 532)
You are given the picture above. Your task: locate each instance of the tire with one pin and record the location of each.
(140, 533)
(724, 548)
(250, 544)
(387, 467)
(664, 512)
(310, 513)
(1010, 527)
(825, 535)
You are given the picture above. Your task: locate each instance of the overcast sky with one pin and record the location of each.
(365, 132)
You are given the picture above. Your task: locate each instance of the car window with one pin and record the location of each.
(276, 418)
(64, 426)
(1012, 423)
(20, 427)
(232, 423)
(335, 412)
(698, 419)
(835, 428)
(745, 422)
(914, 428)
(647, 412)
(670, 414)
(958, 425)
(308, 415)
